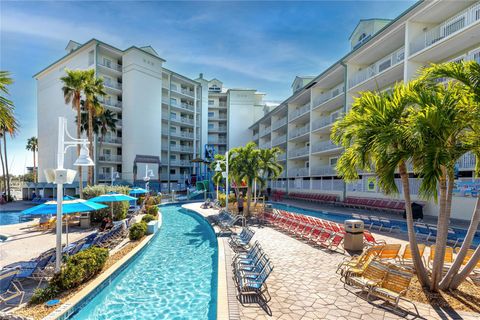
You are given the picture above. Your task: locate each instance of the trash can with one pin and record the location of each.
(85, 220)
(353, 240)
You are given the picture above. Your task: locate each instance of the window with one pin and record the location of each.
(173, 142)
(362, 36)
(173, 115)
(173, 101)
(173, 87)
(211, 114)
(107, 152)
(307, 164)
(211, 102)
(210, 126)
(173, 129)
(90, 58)
(333, 161)
(172, 171)
(173, 157)
(107, 62)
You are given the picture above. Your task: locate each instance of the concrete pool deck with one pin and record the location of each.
(304, 285)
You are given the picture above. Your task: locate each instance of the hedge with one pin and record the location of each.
(120, 209)
(137, 230)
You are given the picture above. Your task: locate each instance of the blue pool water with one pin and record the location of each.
(11, 217)
(175, 277)
(341, 217)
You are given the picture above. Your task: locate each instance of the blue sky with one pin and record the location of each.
(261, 45)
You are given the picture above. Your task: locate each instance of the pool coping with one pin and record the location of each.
(223, 309)
(64, 310)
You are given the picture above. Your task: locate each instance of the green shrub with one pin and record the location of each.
(78, 269)
(153, 201)
(120, 209)
(137, 230)
(148, 217)
(140, 200)
(152, 210)
(222, 197)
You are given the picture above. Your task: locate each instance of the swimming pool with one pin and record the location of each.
(175, 277)
(341, 217)
(11, 217)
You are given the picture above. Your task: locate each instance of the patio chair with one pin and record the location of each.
(369, 239)
(390, 251)
(256, 286)
(359, 260)
(248, 257)
(453, 237)
(448, 259)
(335, 242)
(387, 224)
(375, 222)
(373, 275)
(406, 258)
(8, 289)
(422, 230)
(393, 287)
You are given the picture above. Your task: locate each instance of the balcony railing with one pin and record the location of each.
(117, 104)
(282, 157)
(330, 94)
(299, 112)
(298, 152)
(116, 140)
(299, 131)
(255, 136)
(265, 131)
(327, 185)
(180, 163)
(298, 172)
(188, 92)
(378, 67)
(110, 158)
(112, 66)
(323, 171)
(177, 148)
(323, 146)
(279, 140)
(447, 28)
(217, 141)
(113, 85)
(467, 161)
(108, 176)
(279, 123)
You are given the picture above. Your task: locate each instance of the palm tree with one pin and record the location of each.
(32, 145)
(270, 169)
(374, 135)
(73, 85)
(93, 89)
(468, 75)
(8, 124)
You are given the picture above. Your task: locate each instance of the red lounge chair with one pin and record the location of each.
(369, 240)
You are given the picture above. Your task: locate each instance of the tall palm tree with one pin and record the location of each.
(269, 167)
(374, 135)
(468, 75)
(32, 145)
(93, 89)
(73, 85)
(8, 124)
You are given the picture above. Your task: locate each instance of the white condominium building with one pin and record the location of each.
(164, 118)
(383, 52)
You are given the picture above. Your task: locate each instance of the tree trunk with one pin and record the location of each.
(79, 135)
(472, 263)
(453, 279)
(249, 200)
(441, 240)
(34, 167)
(90, 144)
(3, 170)
(6, 165)
(417, 259)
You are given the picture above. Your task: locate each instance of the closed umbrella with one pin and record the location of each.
(138, 191)
(112, 197)
(68, 206)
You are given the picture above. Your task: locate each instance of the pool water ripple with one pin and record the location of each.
(174, 278)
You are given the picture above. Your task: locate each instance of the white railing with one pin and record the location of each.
(298, 152)
(217, 141)
(378, 67)
(327, 185)
(178, 148)
(297, 172)
(117, 104)
(265, 131)
(447, 28)
(299, 112)
(330, 94)
(323, 171)
(179, 163)
(324, 121)
(265, 145)
(187, 106)
(188, 92)
(279, 140)
(112, 66)
(116, 140)
(113, 85)
(110, 158)
(467, 161)
(279, 123)
(255, 136)
(108, 176)
(282, 157)
(180, 134)
(322, 146)
(299, 131)
(166, 176)
(279, 184)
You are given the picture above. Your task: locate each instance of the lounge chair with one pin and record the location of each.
(390, 251)
(393, 287)
(406, 258)
(359, 260)
(254, 286)
(448, 259)
(373, 275)
(355, 269)
(369, 239)
(8, 289)
(387, 224)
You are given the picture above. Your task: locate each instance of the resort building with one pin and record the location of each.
(165, 119)
(383, 52)
(224, 108)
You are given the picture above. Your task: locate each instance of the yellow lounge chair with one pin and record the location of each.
(359, 261)
(390, 251)
(393, 287)
(447, 260)
(374, 274)
(406, 258)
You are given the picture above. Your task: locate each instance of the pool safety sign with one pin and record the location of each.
(371, 184)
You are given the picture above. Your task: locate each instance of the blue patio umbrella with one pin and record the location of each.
(138, 191)
(112, 197)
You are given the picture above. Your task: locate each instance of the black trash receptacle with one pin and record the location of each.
(417, 211)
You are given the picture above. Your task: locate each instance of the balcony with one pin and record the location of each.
(327, 185)
(188, 92)
(298, 172)
(298, 152)
(279, 123)
(180, 163)
(110, 158)
(113, 85)
(279, 140)
(330, 94)
(297, 132)
(265, 131)
(217, 141)
(447, 28)
(323, 146)
(111, 104)
(377, 68)
(178, 148)
(113, 140)
(299, 112)
(255, 136)
(110, 66)
(282, 157)
(324, 121)
(323, 171)
(467, 161)
(108, 176)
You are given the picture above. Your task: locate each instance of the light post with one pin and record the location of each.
(218, 168)
(114, 175)
(148, 174)
(61, 176)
